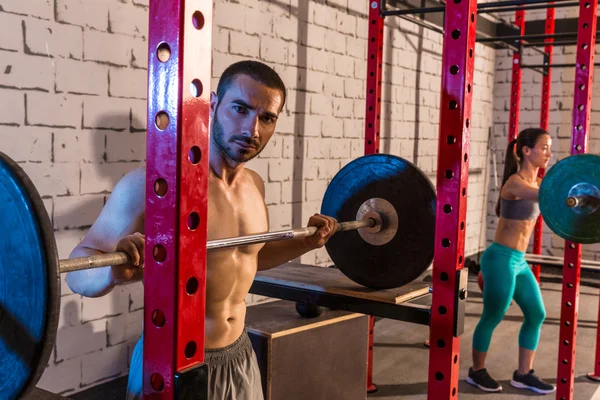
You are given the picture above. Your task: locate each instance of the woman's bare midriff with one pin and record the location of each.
(514, 234)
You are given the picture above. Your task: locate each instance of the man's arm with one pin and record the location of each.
(116, 229)
(276, 253)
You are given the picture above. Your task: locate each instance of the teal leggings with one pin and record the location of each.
(507, 276)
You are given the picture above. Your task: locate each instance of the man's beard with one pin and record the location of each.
(234, 154)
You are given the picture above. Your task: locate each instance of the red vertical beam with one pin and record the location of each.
(545, 109)
(372, 123)
(586, 40)
(452, 180)
(175, 188)
(515, 85)
(374, 68)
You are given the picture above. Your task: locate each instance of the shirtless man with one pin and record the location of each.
(244, 112)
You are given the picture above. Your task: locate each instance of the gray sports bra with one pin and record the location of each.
(519, 209)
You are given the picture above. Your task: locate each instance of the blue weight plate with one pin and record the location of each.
(571, 176)
(410, 252)
(29, 283)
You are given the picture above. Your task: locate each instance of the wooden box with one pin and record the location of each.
(309, 358)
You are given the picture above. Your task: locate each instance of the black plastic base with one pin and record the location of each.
(192, 383)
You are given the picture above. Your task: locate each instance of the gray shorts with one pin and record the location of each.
(233, 372)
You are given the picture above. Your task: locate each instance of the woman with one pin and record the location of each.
(506, 274)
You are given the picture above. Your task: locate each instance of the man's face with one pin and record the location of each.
(244, 120)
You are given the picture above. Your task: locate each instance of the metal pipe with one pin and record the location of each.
(483, 6)
(530, 7)
(542, 44)
(119, 258)
(516, 38)
(559, 261)
(552, 65)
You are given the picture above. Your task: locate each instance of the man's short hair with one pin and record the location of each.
(256, 70)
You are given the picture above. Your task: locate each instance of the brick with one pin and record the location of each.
(320, 60)
(346, 23)
(334, 85)
(145, 3)
(81, 339)
(74, 76)
(58, 110)
(139, 53)
(100, 178)
(27, 144)
(273, 193)
(66, 241)
(53, 179)
(273, 50)
(229, 15)
(98, 308)
(344, 65)
(340, 149)
(109, 48)
(77, 211)
(318, 148)
(335, 42)
(139, 113)
(136, 296)
(51, 39)
(244, 45)
(312, 36)
(125, 146)
(280, 170)
(320, 105)
(280, 216)
(26, 72)
(315, 81)
(124, 328)
(62, 377)
(333, 127)
(221, 40)
(128, 82)
(12, 110)
(105, 112)
(356, 47)
(260, 166)
(36, 8)
(353, 88)
(70, 311)
(93, 14)
(110, 365)
(78, 145)
(328, 169)
(11, 33)
(287, 190)
(362, 28)
(353, 128)
(343, 108)
(286, 28)
(322, 15)
(315, 190)
(129, 20)
(258, 23)
(274, 148)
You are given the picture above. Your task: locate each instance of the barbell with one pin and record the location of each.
(385, 205)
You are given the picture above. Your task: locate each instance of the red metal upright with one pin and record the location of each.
(372, 124)
(545, 109)
(515, 84)
(586, 40)
(179, 63)
(452, 181)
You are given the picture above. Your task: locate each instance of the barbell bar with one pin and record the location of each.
(119, 258)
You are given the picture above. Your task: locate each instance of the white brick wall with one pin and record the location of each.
(73, 78)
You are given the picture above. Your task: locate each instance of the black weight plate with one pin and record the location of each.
(410, 252)
(577, 174)
(29, 283)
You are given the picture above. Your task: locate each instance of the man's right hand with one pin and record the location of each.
(133, 245)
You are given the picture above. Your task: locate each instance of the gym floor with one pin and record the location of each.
(401, 360)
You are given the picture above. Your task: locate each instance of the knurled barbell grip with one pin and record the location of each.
(118, 258)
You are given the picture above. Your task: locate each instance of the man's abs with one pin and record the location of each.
(229, 277)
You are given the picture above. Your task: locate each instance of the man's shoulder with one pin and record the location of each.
(256, 178)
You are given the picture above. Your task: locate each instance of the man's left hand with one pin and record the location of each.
(327, 226)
